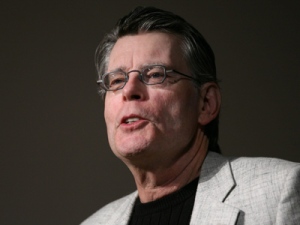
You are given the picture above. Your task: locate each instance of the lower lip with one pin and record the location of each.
(134, 125)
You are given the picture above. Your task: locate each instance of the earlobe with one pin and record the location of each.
(209, 103)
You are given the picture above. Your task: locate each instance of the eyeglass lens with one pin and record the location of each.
(149, 75)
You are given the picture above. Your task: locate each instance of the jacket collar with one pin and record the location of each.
(215, 184)
(124, 211)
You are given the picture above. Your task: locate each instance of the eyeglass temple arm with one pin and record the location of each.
(182, 74)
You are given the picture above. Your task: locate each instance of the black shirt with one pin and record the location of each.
(173, 209)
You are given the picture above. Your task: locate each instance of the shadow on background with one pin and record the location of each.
(56, 165)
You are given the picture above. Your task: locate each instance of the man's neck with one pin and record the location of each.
(154, 184)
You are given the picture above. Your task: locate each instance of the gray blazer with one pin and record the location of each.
(230, 191)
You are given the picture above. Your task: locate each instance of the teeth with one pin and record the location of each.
(130, 120)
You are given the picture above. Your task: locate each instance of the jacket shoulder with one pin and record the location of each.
(259, 166)
(267, 190)
(263, 173)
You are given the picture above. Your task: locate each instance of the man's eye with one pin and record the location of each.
(155, 75)
(116, 81)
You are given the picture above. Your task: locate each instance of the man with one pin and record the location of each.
(158, 79)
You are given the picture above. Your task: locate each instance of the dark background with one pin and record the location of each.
(56, 166)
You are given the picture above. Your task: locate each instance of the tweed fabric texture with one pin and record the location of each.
(240, 191)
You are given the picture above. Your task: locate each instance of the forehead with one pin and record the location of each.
(134, 51)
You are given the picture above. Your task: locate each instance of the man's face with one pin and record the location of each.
(150, 123)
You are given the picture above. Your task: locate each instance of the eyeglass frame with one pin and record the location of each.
(140, 72)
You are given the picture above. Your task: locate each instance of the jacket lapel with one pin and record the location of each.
(122, 213)
(215, 184)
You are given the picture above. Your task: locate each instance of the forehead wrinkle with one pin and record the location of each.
(141, 67)
(131, 54)
(118, 68)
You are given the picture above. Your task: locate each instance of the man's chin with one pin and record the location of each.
(131, 146)
(129, 153)
(138, 157)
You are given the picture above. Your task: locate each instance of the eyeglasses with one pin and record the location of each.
(150, 75)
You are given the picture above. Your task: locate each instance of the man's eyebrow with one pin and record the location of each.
(120, 68)
(143, 66)
(153, 63)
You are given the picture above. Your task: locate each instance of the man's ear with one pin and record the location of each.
(209, 103)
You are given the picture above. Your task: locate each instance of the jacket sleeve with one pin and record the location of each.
(288, 211)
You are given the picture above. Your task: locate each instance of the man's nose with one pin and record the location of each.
(134, 89)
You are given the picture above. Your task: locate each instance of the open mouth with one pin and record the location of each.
(131, 120)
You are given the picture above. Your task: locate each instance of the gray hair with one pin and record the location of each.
(196, 51)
